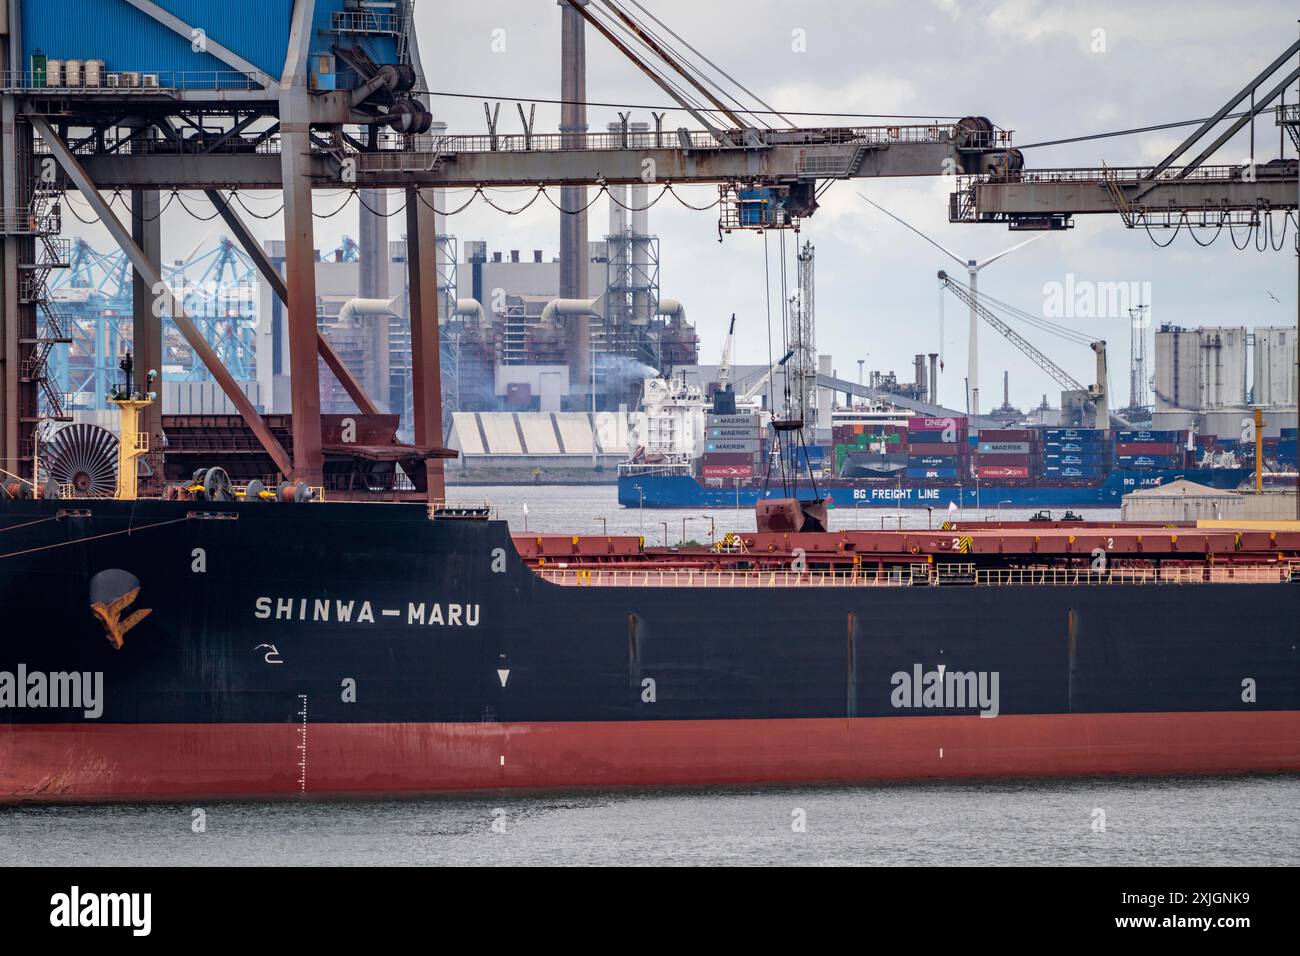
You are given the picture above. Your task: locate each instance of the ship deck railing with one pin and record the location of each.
(899, 577)
(1255, 574)
(705, 578)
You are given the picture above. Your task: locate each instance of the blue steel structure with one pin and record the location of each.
(217, 79)
(129, 40)
(94, 298)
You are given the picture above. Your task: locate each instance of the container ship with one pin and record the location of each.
(229, 640)
(920, 462)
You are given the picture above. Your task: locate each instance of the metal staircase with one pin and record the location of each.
(42, 222)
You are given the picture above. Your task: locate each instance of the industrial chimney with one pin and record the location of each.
(573, 199)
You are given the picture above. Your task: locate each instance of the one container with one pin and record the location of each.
(72, 73)
(936, 424)
(53, 73)
(93, 75)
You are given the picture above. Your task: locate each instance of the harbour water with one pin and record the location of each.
(1134, 821)
(1229, 821)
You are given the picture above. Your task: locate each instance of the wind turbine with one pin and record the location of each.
(972, 267)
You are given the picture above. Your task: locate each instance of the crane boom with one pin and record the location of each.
(1062, 377)
(758, 384)
(724, 370)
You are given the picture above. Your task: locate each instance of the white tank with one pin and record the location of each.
(72, 73)
(94, 73)
(53, 72)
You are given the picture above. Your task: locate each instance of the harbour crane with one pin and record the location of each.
(283, 123)
(724, 370)
(1096, 395)
(1196, 195)
(972, 267)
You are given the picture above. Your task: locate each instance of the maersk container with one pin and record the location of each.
(1004, 447)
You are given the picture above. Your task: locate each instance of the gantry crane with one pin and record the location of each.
(263, 125)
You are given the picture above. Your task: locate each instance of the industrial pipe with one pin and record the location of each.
(672, 309)
(354, 310)
(568, 308)
(469, 307)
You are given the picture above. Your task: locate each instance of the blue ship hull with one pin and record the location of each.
(684, 491)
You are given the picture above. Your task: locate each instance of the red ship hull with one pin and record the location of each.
(79, 762)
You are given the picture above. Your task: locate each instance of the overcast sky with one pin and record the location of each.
(1029, 66)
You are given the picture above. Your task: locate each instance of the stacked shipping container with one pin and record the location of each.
(861, 440)
(1074, 454)
(1150, 450)
(733, 446)
(1005, 453)
(936, 448)
(1286, 449)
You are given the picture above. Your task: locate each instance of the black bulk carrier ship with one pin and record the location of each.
(259, 645)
